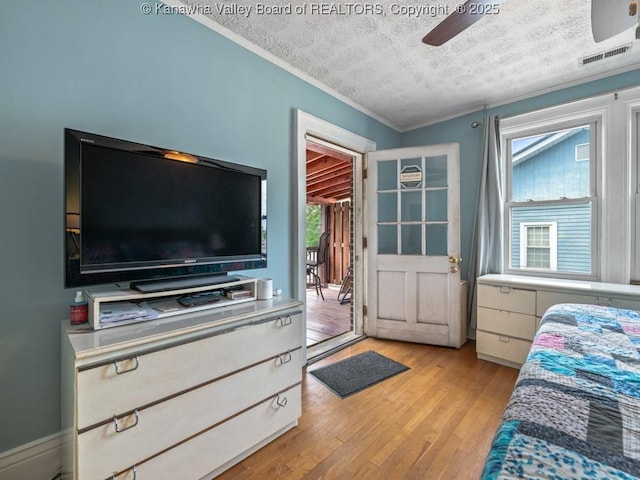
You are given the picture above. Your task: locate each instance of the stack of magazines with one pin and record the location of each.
(123, 311)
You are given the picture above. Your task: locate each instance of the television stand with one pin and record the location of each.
(184, 399)
(154, 286)
(117, 307)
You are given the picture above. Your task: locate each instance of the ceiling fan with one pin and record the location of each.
(608, 18)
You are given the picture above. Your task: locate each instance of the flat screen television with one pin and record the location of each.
(137, 213)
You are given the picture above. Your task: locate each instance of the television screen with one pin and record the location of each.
(136, 212)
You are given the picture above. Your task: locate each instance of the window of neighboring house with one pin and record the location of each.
(539, 246)
(582, 152)
(551, 201)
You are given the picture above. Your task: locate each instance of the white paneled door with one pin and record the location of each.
(413, 247)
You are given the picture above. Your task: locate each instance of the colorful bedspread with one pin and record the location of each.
(575, 409)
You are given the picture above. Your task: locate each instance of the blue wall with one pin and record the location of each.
(163, 80)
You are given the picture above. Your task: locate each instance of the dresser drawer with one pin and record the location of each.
(501, 346)
(625, 303)
(507, 298)
(502, 322)
(104, 450)
(208, 452)
(125, 385)
(548, 299)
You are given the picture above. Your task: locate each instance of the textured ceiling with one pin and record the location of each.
(378, 62)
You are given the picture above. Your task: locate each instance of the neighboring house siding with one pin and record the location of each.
(537, 173)
(551, 174)
(573, 224)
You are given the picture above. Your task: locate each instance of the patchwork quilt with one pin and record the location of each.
(575, 409)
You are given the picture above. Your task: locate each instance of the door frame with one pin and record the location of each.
(306, 124)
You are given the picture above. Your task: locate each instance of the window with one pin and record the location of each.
(582, 152)
(539, 246)
(600, 238)
(551, 200)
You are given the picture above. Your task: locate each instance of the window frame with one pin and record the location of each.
(595, 119)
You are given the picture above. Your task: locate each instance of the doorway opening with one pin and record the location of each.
(312, 129)
(329, 240)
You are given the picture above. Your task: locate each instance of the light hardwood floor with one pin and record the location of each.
(435, 421)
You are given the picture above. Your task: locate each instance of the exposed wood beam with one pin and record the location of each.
(334, 192)
(321, 200)
(312, 156)
(328, 183)
(324, 164)
(329, 175)
(314, 147)
(336, 174)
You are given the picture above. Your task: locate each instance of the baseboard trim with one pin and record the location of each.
(37, 460)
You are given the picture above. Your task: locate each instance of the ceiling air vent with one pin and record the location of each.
(602, 55)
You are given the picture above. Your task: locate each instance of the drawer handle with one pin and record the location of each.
(135, 366)
(283, 322)
(132, 469)
(285, 358)
(505, 289)
(503, 339)
(601, 301)
(117, 425)
(281, 402)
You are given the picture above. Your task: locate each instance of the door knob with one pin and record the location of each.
(455, 263)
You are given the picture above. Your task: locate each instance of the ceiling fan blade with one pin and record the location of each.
(462, 18)
(610, 17)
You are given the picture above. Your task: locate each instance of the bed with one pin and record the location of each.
(575, 408)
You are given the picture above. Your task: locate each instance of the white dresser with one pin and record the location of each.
(182, 397)
(510, 308)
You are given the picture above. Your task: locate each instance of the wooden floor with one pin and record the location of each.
(435, 421)
(326, 319)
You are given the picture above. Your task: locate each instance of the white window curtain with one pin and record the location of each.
(487, 239)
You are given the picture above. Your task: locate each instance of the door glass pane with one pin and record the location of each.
(437, 239)
(411, 239)
(387, 207)
(436, 171)
(411, 206)
(387, 239)
(406, 162)
(387, 175)
(416, 226)
(436, 206)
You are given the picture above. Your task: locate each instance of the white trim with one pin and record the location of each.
(553, 245)
(38, 459)
(306, 124)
